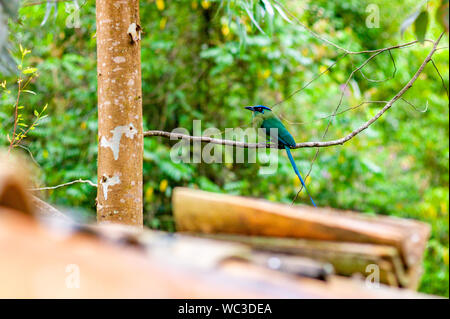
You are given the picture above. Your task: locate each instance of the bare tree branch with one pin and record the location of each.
(320, 38)
(440, 76)
(331, 115)
(204, 139)
(383, 80)
(310, 82)
(36, 3)
(376, 53)
(63, 185)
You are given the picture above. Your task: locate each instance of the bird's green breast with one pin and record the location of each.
(268, 121)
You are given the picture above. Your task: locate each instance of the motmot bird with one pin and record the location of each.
(264, 118)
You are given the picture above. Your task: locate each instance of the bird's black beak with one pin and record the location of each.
(250, 108)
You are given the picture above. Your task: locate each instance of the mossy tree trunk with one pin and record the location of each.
(120, 150)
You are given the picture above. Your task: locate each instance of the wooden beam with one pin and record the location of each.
(38, 264)
(203, 212)
(346, 258)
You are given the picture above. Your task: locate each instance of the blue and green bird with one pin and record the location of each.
(264, 118)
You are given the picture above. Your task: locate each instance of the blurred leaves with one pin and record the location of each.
(442, 14)
(420, 20)
(409, 21)
(8, 9)
(420, 26)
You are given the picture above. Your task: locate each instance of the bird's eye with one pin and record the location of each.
(259, 109)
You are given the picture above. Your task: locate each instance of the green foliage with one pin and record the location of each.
(207, 60)
(442, 15)
(420, 26)
(8, 9)
(420, 19)
(20, 128)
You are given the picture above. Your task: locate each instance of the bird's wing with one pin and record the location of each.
(284, 137)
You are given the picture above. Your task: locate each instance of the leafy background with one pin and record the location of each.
(206, 60)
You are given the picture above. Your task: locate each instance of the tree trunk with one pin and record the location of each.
(120, 150)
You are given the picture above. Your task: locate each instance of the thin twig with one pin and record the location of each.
(414, 107)
(29, 152)
(36, 3)
(328, 116)
(16, 109)
(442, 79)
(377, 51)
(358, 69)
(65, 184)
(384, 80)
(309, 83)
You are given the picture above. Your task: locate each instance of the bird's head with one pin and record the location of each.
(258, 109)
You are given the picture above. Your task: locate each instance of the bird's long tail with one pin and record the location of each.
(294, 166)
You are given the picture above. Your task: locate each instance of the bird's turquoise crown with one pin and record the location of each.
(258, 108)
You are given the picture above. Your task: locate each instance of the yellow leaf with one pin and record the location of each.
(296, 181)
(45, 154)
(431, 211)
(307, 180)
(162, 23)
(83, 125)
(194, 5)
(29, 70)
(445, 256)
(206, 4)
(160, 5)
(225, 30)
(264, 74)
(163, 185)
(444, 208)
(149, 194)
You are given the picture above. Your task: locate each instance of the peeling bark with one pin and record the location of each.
(120, 151)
